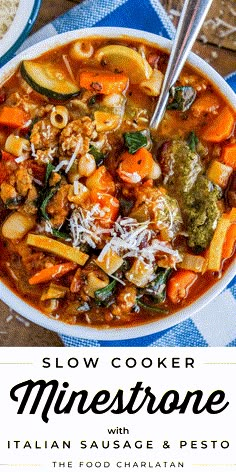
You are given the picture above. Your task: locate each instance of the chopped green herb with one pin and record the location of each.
(181, 98)
(98, 155)
(192, 141)
(134, 141)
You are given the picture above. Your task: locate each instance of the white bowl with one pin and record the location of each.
(19, 28)
(149, 328)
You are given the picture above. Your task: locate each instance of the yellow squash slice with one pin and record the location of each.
(60, 249)
(123, 59)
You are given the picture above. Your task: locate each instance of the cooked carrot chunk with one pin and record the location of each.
(228, 155)
(221, 127)
(50, 273)
(179, 284)
(105, 82)
(13, 117)
(135, 167)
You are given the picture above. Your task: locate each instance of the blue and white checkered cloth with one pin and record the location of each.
(215, 325)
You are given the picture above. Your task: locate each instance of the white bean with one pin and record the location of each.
(17, 225)
(87, 165)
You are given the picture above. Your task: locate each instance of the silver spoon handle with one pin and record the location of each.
(190, 22)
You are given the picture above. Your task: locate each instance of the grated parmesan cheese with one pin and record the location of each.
(68, 67)
(23, 321)
(33, 153)
(61, 164)
(20, 159)
(127, 237)
(83, 228)
(133, 177)
(38, 182)
(216, 23)
(174, 12)
(76, 187)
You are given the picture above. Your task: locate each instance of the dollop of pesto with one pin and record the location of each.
(184, 167)
(201, 212)
(196, 194)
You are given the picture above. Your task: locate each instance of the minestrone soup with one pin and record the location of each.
(105, 222)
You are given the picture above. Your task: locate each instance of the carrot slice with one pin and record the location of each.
(179, 284)
(135, 167)
(221, 127)
(228, 155)
(229, 243)
(109, 208)
(55, 271)
(105, 82)
(13, 117)
(101, 180)
(206, 103)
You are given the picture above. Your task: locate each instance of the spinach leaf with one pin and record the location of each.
(192, 141)
(98, 155)
(47, 197)
(157, 288)
(60, 234)
(103, 295)
(152, 307)
(47, 192)
(134, 141)
(181, 98)
(49, 169)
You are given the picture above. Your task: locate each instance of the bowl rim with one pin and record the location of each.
(23, 24)
(142, 330)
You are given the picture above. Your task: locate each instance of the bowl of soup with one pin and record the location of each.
(110, 229)
(15, 24)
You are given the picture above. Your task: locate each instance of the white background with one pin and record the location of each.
(213, 369)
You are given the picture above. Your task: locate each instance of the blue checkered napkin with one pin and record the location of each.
(215, 325)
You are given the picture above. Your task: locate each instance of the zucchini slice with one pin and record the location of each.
(48, 80)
